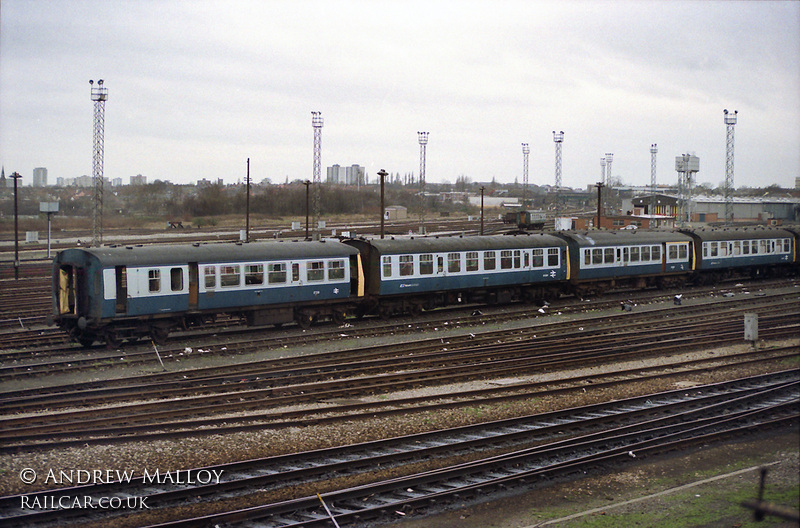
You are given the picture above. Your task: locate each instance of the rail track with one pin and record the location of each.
(225, 341)
(236, 404)
(459, 463)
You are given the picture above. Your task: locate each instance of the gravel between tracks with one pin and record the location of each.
(214, 449)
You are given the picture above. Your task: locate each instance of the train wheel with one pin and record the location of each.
(111, 339)
(339, 316)
(303, 320)
(86, 341)
(385, 312)
(159, 335)
(415, 309)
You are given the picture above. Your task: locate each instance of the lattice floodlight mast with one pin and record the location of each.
(653, 152)
(558, 138)
(423, 142)
(99, 95)
(609, 161)
(603, 171)
(316, 122)
(687, 166)
(730, 120)
(526, 150)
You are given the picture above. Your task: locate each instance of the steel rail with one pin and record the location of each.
(667, 407)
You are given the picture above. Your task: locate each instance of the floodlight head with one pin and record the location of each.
(730, 119)
(526, 149)
(423, 138)
(558, 137)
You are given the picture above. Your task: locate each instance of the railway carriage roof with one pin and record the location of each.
(472, 243)
(623, 237)
(739, 233)
(206, 253)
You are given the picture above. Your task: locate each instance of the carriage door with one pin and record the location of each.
(121, 275)
(66, 290)
(439, 265)
(193, 285)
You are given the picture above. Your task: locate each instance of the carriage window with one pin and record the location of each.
(656, 252)
(336, 270)
(538, 258)
(552, 257)
(453, 262)
(723, 249)
(737, 248)
(472, 261)
(426, 264)
(705, 249)
(673, 252)
(176, 279)
(597, 256)
(608, 255)
(276, 273)
(587, 257)
(634, 254)
(762, 246)
(229, 276)
(254, 274)
(745, 247)
(787, 247)
(506, 259)
(406, 265)
(315, 271)
(154, 280)
(754, 246)
(387, 266)
(714, 251)
(683, 251)
(210, 274)
(646, 254)
(489, 260)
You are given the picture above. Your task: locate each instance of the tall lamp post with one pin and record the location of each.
(307, 183)
(382, 173)
(482, 189)
(16, 176)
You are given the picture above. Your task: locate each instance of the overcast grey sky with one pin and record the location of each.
(197, 87)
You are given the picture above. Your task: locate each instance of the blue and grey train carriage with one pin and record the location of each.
(116, 293)
(410, 274)
(741, 252)
(606, 260)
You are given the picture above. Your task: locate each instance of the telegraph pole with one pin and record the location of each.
(16, 176)
(247, 205)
